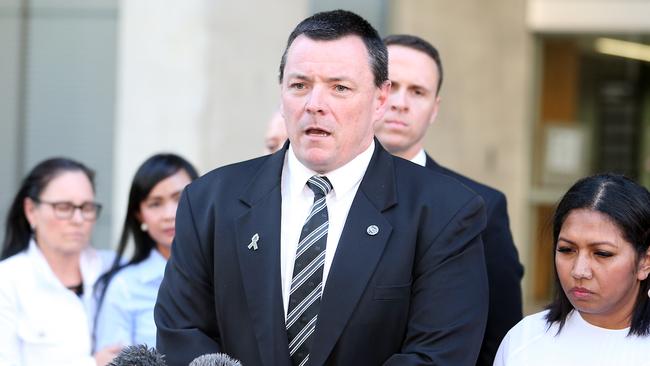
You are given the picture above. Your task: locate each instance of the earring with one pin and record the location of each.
(144, 227)
(648, 293)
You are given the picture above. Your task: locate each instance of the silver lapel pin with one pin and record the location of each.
(372, 230)
(254, 239)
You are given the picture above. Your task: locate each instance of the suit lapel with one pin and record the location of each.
(357, 254)
(260, 269)
(431, 164)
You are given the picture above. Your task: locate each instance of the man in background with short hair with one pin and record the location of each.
(276, 133)
(415, 72)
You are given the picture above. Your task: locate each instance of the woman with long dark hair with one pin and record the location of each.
(601, 310)
(127, 292)
(48, 269)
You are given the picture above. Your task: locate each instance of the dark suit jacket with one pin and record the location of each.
(413, 294)
(503, 267)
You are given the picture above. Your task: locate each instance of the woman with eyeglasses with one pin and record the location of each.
(128, 291)
(600, 314)
(48, 269)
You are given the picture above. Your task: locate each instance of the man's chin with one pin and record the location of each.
(318, 160)
(320, 166)
(392, 144)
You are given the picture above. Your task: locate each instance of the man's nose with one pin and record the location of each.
(316, 100)
(398, 101)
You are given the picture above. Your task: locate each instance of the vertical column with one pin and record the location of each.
(483, 128)
(198, 78)
(11, 70)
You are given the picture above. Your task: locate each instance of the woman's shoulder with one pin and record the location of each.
(529, 337)
(530, 330)
(9, 266)
(532, 324)
(150, 268)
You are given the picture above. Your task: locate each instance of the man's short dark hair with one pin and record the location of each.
(336, 24)
(418, 44)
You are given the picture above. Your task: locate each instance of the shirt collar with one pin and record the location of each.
(420, 158)
(87, 264)
(152, 268)
(42, 267)
(343, 179)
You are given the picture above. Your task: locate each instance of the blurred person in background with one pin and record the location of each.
(601, 309)
(48, 269)
(415, 72)
(276, 133)
(128, 291)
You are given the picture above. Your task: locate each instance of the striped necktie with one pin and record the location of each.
(307, 281)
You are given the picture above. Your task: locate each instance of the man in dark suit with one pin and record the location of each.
(415, 72)
(388, 267)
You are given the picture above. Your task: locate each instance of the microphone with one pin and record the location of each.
(138, 355)
(215, 359)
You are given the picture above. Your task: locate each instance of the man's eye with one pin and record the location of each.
(341, 88)
(419, 92)
(298, 86)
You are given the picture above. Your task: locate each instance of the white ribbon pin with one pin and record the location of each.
(253, 244)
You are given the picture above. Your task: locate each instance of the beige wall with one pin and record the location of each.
(246, 43)
(482, 129)
(196, 77)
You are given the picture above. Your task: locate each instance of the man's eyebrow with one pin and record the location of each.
(300, 76)
(419, 87)
(296, 75)
(338, 78)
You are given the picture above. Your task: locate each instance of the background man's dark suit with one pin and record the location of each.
(503, 267)
(413, 294)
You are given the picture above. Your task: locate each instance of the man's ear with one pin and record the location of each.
(381, 101)
(434, 112)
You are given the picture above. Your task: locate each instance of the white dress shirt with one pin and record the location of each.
(420, 158)
(41, 321)
(297, 200)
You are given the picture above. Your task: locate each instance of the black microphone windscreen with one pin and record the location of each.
(215, 359)
(138, 355)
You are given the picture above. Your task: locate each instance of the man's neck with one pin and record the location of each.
(408, 154)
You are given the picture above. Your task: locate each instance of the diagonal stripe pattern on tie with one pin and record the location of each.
(307, 280)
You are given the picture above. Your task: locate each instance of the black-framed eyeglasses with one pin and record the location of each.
(64, 210)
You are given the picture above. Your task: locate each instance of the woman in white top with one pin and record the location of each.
(601, 311)
(48, 269)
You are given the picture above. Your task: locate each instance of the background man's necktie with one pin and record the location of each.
(307, 281)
